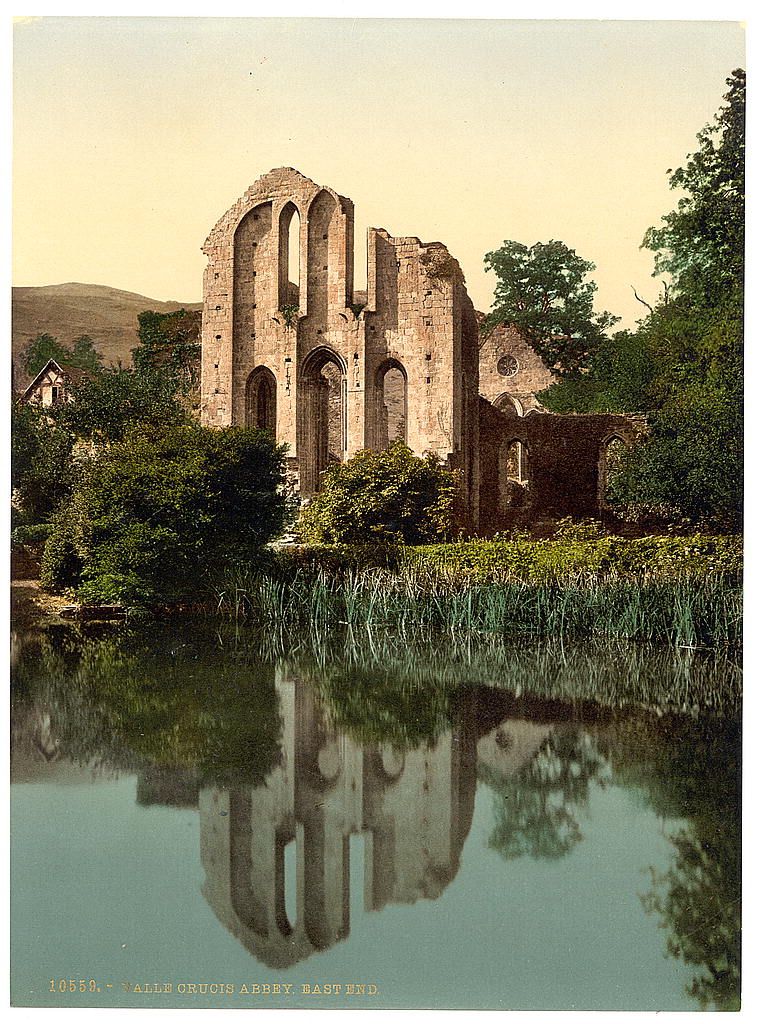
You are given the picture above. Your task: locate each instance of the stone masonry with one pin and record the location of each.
(330, 376)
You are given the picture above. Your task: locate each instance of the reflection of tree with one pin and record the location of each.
(374, 704)
(534, 806)
(699, 901)
(690, 769)
(128, 711)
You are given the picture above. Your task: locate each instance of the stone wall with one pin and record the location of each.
(511, 373)
(564, 460)
(329, 375)
(264, 362)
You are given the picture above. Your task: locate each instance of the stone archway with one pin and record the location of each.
(261, 399)
(322, 416)
(390, 404)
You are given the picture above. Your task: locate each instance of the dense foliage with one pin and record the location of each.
(543, 292)
(104, 408)
(171, 343)
(581, 549)
(42, 469)
(83, 354)
(683, 366)
(159, 509)
(384, 497)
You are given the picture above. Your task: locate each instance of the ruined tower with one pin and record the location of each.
(285, 347)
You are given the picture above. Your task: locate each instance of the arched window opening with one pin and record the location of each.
(392, 402)
(612, 452)
(508, 405)
(261, 400)
(333, 398)
(516, 462)
(323, 416)
(289, 263)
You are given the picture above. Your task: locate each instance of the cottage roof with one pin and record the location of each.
(72, 374)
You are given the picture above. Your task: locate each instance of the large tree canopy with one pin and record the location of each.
(543, 291)
(83, 354)
(701, 243)
(159, 509)
(683, 366)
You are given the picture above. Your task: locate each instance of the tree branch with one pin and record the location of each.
(641, 300)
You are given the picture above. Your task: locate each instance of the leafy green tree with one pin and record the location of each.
(162, 508)
(105, 407)
(170, 343)
(385, 497)
(543, 292)
(683, 366)
(619, 379)
(39, 350)
(691, 461)
(701, 243)
(43, 470)
(85, 355)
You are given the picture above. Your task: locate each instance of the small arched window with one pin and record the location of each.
(261, 400)
(516, 462)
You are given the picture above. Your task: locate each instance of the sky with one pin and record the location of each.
(133, 135)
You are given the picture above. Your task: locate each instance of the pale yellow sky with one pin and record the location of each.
(132, 136)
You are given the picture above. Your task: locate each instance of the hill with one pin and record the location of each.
(108, 315)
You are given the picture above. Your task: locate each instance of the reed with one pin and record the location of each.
(686, 610)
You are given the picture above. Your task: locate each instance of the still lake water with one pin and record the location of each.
(189, 809)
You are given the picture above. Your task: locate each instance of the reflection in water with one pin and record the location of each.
(414, 808)
(286, 761)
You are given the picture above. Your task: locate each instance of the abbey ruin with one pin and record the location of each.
(289, 346)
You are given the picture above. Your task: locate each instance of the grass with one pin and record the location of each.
(685, 610)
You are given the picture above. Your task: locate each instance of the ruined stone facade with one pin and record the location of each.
(300, 358)
(286, 347)
(511, 373)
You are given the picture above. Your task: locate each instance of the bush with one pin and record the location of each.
(161, 509)
(384, 497)
(43, 470)
(581, 550)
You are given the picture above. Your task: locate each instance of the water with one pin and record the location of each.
(196, 817)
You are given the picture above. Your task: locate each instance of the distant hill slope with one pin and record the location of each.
(108, 315)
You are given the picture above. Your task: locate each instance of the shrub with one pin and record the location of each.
(383, 497)
(160, 509)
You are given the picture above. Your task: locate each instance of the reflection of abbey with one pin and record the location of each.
(414, 809)
(288, 346)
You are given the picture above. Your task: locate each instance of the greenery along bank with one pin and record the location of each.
(684, 591)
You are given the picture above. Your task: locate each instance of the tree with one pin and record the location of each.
(691, 461)
(386, 496)
(105, 407)
(43, 471)
(170, 343)
(619, 379)
(160, 510)
(40, 350)
(85, 355)
(683, 366)
(542, 291)
(701, 242)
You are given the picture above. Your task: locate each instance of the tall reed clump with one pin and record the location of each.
(685, 609)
